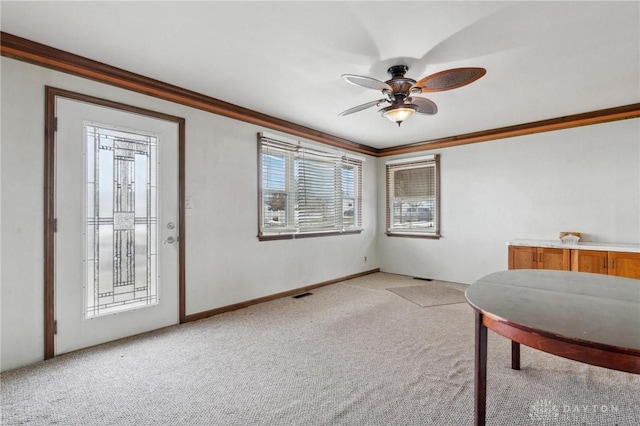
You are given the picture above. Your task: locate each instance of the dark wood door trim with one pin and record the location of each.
(51, 94)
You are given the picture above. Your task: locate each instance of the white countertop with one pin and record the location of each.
(622, 247)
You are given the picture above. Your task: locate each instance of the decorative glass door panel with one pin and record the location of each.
(116, 196)
(121, 235)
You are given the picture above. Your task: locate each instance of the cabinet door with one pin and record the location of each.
(589, 261)
(553, 258)
(522, 257)
(624, 264)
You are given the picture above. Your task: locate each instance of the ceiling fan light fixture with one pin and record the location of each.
(399, 91)
(398, 113)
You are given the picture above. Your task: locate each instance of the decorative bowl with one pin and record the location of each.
(570, 237)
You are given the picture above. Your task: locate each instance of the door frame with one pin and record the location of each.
(51, 93)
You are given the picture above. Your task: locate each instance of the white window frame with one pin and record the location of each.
(431, 227)
(293, 151)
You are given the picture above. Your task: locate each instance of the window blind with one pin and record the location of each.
(305, 190)
(413, 196)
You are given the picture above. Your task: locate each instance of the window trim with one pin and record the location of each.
(287, 234)
(435, 158)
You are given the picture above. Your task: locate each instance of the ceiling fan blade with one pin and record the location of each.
(425, 106)
(368, 82)
(361, 107)
(448, 79)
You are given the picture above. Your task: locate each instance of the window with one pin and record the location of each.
(306, 191)
(413, 197)
(121, 220)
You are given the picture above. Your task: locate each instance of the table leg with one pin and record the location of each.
(480, 372)
(515, 355)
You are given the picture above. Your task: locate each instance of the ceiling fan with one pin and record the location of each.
(400, 91)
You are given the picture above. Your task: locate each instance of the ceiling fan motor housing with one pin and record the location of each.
(401, 86)
(398, 70)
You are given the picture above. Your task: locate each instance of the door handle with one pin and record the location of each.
(169, 240)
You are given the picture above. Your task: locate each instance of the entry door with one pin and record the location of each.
(116, 202)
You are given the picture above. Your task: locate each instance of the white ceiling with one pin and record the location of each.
(285, 59)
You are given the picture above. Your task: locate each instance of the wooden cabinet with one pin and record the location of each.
(617, 263)
(594, 261)
(552, 258)
(539, 258)
(622, 264)
(522, 257)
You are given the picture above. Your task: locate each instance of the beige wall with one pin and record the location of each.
(585, 179)
(226, 263)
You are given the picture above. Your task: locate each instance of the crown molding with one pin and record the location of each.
(25, 50)
(29, 51)
(559, 123)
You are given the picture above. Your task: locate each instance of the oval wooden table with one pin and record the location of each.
(585, 317)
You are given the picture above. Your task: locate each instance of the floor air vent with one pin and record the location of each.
(299, 296)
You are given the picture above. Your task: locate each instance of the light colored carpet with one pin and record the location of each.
(431, 293)
(353, 353)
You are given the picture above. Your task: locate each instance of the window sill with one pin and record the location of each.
(274, 237)
(413, 235)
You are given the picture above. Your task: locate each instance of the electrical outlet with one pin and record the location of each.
(187, 202)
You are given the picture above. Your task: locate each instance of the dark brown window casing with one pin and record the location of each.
(413, 197)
